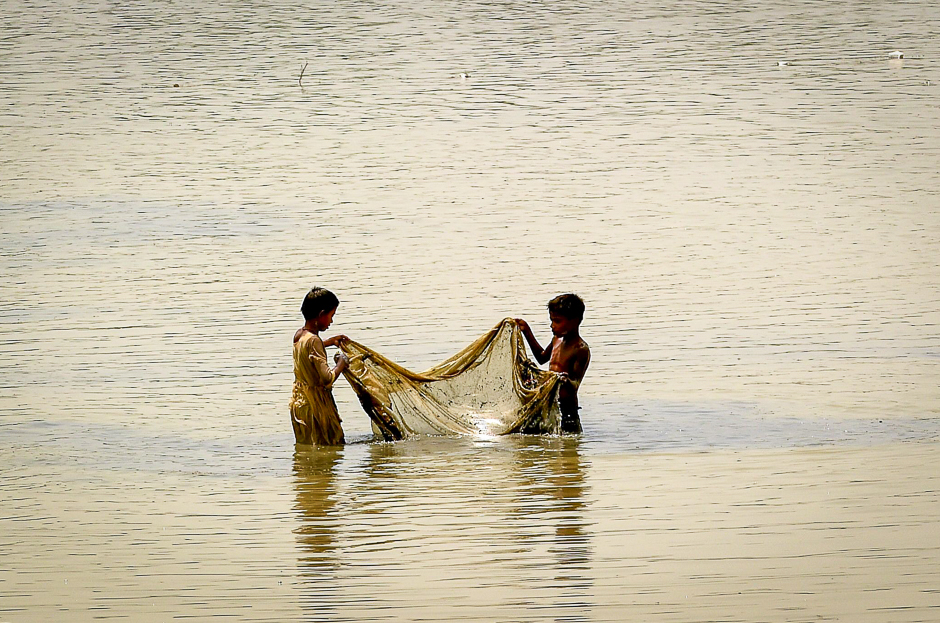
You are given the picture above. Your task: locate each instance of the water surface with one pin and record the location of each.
(745, 196)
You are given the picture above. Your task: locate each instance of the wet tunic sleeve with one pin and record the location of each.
(321, 367)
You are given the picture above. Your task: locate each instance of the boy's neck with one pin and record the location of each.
(571, 336)
(311, 326)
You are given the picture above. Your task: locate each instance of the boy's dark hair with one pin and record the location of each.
(317, 301)
(567, 305)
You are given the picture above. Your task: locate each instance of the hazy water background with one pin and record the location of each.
(757, 245)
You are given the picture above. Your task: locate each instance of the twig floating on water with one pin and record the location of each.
(300, 81)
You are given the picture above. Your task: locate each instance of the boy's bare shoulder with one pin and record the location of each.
(574, 351)
(578, 345)
(302, 331)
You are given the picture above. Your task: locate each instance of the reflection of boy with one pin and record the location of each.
(567, 354)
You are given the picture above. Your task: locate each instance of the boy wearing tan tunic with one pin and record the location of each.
(313, 412)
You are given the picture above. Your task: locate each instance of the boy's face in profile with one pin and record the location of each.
(325, 319)
(562, 325)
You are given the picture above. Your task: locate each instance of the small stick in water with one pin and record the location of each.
(300, 81)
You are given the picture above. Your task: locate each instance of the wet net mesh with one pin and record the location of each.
(489, 388)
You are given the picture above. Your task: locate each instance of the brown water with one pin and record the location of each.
(756, 243)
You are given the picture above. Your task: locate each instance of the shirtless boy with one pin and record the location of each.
(567, 354)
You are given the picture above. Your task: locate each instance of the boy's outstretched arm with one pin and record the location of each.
(541, 354)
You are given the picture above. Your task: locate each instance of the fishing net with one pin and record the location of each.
(489, 388)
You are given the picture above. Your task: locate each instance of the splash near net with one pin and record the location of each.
(489, 388)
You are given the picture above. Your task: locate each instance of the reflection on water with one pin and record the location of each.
(317, 532)
(552, 486)
(446, 526)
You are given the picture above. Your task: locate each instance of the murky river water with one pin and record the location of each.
(747, 197)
